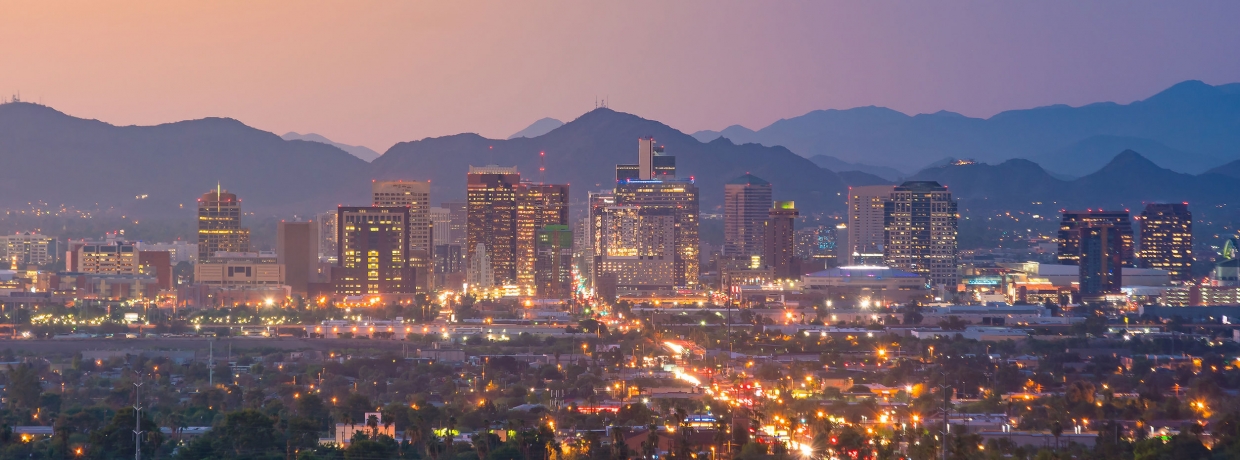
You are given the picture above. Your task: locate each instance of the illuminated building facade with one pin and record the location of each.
(1167, 239)
(779, 249)
(746, 202)
(106, 258)
(491, 223)
(1072, 222)
(538, 205)
(679, 198)
(373, 251)
(22, 249)
(415, 195)
(554, 267)
(219, 225)
(920, 226)
(599, 202)
(657, 192)
(241, 269)
(865, 228)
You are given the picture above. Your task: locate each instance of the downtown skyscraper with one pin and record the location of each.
(1072, 222)
(746, 205)
(865, 230)
(491, 223)
(920, 232)
(415, 195)
(373, 251)
(219, 225)
(504, 216)
(646, 231)
(1167, 239)
(779, 245)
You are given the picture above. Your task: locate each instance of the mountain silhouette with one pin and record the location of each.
(1194, 120)
(1126, 182)
(538, 128)
(360, 151)
(57, 159)
(160, 170)
(584, 153)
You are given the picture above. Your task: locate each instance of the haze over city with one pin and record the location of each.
(619, 231)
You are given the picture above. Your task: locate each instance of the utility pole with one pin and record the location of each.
(946, 407)
(137, 419)
(211, 364)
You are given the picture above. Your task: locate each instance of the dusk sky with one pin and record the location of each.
(383, 72)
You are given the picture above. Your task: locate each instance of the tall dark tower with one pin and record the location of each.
(1073, 221)
(746, 202)
(780, 250)
(1101, 262)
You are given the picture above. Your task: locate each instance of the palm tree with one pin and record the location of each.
(1057, 430)
(372, 422)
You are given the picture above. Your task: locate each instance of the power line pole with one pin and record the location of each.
(137, 419)
(946, 407)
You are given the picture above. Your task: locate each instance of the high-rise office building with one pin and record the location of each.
(22, 249)
(219, 225)
(865, 228)
(297, 248)
(458, 215)
(652, 164)
(1101, 261)
(1167, 239)
(1070, 234)
(639, 250)
(441, 226)
(554, 267)
(657, 191)
(920, 221)
(598, 204)
(110, 257)
(416, 195)
(538, 205)
(373, 251)
(779, 249)
(491, 193)
(746, 202)
(327, 237)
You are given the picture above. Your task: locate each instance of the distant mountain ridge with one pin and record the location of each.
(584, 153)
(1197, 122)
(360, 151)
(55, 158)
(538, 128)
(160, 170)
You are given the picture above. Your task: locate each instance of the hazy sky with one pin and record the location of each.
(382, 72)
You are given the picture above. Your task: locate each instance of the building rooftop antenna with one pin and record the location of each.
(542, 167)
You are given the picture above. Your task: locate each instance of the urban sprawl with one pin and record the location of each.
(505, 327)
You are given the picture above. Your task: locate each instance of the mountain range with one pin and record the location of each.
(160, 170)
(538, 128)
(1189, 127)
(360, 151)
